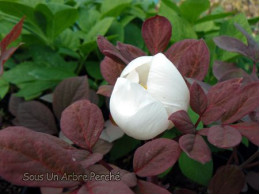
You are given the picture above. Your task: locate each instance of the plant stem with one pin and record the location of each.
(249, 160)
(107, 166)
(251, 165)
(198, 121)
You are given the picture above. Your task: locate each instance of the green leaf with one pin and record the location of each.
(245, 141)
(192, 9)
(116, 29)
(4, 87)
(88, 18)
(214, 17)
(228, 28)
(114, 8)
(68, 39)
(123, 146)
(93, 69)
(181, 28)
(133, 35)
(100, 28)
(194, 117)
(197, 172)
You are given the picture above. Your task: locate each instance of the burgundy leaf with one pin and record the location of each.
(212, 114)
(24, 151)
(203, 85)
(93, 97)
(220, 68)
(109, 50)
(203, 131)
(130, 52)
(182, 122)
(250, 130)
(155, 156)
(228, 179)
(184, 191)
(156, 32)
(36, 116)
(105, 90)
(82, 122)
(50, 190)
(221, 93)
(13, 104)
(231, 44)
(5, 55)
(144, 187)
(191, 57)
(111, 70)
(244, 102)
(104, 187)
(12, 35)
(224, 136)
(69, 91)
(91, 160)
(195, 147)
(198, 99)
(252, 179)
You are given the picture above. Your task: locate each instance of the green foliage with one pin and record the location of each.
(197, 172)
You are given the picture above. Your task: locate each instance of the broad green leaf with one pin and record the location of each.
(34, 89)
(116, 29)
(206, 26)
(93, 69)
(100, 28)
(197, 172)
(68, 39)
(137, 12)
(245, 141)
(114, 8)
(123, 146)
(88, 18)
(87, 47)
(181, 28)
(4, 87)
(228, 28)
(213, 17)
(192, 9)
(133, 35)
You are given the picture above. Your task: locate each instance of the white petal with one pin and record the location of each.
(166, 84)
(111, 132)
(136, 112)
(141, 61)
(133, 76)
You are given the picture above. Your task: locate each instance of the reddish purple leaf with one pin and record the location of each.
(195, 147)
(191, 57)
(244, 102)
(102, 147)
(105, 90)
(69, 91)
(203, 131)
(155, 156)
(104, 187)
(82, 122)
(212, 114)
(220, 68)
(13, 104)
(224, 136)
(109, 50)
(250, 130)
(228, 179)
(221, 93)
(156, 32)
(25, 151)
(182, 122)
(36, 116)
(5, 55)
(50, 190)
(203, 85)
(144, 187)
(252, 179)
(111, 70)
(198, 99)
(91, 160)
(12, 35)
(130, 52)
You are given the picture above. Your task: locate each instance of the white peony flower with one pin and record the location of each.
(148, 91)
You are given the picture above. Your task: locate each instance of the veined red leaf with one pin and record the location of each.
(104, 187)
(156, 32)
(69, 91)
(144, 187)
(111, 70)
(228, 179)
(198, 98)
(12, 35)
(13, 104)
(195, 147)
(130, 52)
(28, 154)
(82, 122)
(36, 116)
(250, 130)
(109, 50)
(246, 101)
(191, 57)
(105, 90)
(224, 136)
(155, 156)
(212, 114)
(220, 68)
(182, 122)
